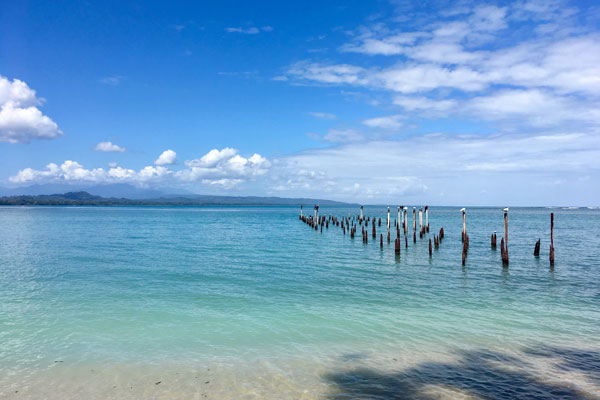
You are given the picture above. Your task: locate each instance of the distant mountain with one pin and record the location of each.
(83, 198)
(120, 190)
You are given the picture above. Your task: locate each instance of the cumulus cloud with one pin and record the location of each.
(224, 168)
(74, 172)
(109, 147)
(20, 118)
(224, 164)
(167, 157)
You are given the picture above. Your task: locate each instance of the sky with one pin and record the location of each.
(440, 102)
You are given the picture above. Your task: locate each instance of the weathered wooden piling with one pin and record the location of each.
(504, 242)
(361, 212)
(430, 249)
(388, 218)
(551, 256)
(427, 218)
(420, 219)
(493, 241)
(381, 241)
(397, 246)
(388, 236)
(414, 219)
(464, 231)
(441, 233)
(374, 233)
(536, 249)
(465, 250)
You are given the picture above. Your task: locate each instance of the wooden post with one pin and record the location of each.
(300, 210)
(397, 246)
(374, 233)
(361, 212)
(381, 241)
(427, 218)
(414, 219)
(551, 240)
(430, 249)
(493, 241)
(420, 219)
(388, 219)
(504, 243)
(536, 249)
(464, 231)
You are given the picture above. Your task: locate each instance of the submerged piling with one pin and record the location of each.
(504, 242)
(464, 231)
(551, 240)
(430, 249)
(536, 249)
(388, 218)
(414, 219)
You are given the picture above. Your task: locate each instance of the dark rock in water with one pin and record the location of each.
(158, 383)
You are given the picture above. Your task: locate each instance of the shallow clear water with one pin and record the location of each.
(102, 302)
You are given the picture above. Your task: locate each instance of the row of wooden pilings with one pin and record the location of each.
(350, 224)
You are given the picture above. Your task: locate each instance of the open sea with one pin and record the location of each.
(251, 303)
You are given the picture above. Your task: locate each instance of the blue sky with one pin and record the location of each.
(369, 101)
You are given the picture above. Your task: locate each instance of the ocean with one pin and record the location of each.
(251, 303)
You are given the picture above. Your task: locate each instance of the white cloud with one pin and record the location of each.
(391, 122)
(167, 157)
(419, 103)
(248, 31)
(224, 164)
(109, 147)
(322, 115)
(460, 165)
(344, 136)
(20, 119)
(465, 64)
(223, 169)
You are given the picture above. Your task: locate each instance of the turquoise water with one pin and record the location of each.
(252, 291)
